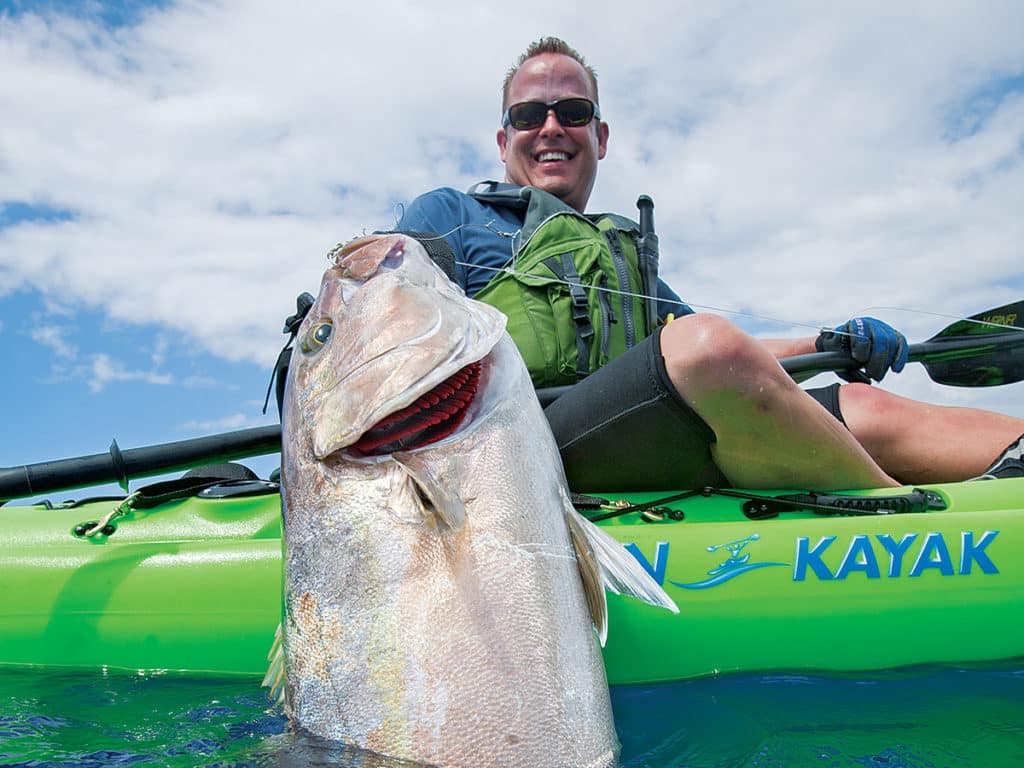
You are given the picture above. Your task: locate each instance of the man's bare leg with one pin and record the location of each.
(770, 433)
(922, 443)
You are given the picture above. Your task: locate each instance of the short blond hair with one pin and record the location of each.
(547, 45)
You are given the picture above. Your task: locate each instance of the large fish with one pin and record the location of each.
(434, 604)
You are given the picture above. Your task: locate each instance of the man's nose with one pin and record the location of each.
(551, 124)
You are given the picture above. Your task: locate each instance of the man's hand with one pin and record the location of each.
(876, 345)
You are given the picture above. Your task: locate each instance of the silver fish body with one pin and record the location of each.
(434, 607)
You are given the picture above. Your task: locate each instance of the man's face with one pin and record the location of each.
(557, 159)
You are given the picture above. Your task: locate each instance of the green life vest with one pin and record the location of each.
(574, 289)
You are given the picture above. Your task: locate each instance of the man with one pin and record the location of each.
(699, 398)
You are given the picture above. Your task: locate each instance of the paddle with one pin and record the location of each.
(968, 353)
(117, 466)
(985, 350)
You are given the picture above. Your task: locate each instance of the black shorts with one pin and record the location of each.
(829, 399)
(625, 428)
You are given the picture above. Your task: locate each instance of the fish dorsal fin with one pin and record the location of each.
(617, 570)
(590, 572)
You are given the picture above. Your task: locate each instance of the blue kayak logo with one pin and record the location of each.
(736, 562)
(877, 556)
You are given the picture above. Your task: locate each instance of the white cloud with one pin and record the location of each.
(54, 337)
(234, 421)
(806, 164)
(103, 370)
(200, 382)
(159, 352)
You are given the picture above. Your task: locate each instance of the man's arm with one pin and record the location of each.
(438, 212)
(669, 302)
(789, 347)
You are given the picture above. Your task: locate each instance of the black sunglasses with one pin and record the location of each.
(570, 113)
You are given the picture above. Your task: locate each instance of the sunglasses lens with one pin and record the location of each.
(574, 112)
(528, 115)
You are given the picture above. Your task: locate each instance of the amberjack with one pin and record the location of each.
(441, 592)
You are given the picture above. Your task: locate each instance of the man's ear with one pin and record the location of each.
(602, 140)
(502, 138)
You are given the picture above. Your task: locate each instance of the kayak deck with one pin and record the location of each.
(195, 585)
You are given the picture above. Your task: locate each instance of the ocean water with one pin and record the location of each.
(919, 718)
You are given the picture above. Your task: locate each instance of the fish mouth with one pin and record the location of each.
(432, 417)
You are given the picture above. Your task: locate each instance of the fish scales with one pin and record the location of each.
(434, 608)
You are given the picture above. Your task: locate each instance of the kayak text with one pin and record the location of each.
(912, 556)
(826, 559)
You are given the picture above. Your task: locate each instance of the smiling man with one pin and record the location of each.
(543, 147)
(691, 402)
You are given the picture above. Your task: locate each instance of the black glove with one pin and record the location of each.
(876, 345)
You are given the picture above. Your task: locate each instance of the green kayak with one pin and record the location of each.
(873, 580)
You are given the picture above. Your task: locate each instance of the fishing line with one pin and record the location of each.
(510, 269)
(488, 226)
(945, 316)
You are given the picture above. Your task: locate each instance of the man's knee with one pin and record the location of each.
(702, 340)
(707, 350)
(873, 414)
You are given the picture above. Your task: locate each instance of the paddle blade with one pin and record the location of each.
(984, 350)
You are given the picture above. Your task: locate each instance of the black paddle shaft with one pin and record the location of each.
(967, 353)
(938, 357)
(119, 466)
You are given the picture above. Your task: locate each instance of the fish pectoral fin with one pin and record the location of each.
(620, 571)
(432, 496)
(590, 573)
(275, 677)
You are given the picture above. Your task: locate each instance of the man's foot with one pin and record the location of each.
(1009, 464)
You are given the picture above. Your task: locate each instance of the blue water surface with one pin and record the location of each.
(920, 718)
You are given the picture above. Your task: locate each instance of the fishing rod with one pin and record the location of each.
(647, 256)
(984, 350)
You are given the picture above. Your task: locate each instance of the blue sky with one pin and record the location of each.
(172, 175)
(110, 14)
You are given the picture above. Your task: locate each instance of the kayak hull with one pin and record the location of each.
(194, 585)
(827, 593)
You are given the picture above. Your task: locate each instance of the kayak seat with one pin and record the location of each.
(226, 471)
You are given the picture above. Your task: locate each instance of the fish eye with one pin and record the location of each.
(392, 261)
(317, 337)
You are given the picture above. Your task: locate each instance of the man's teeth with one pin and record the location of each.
(545, 156)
